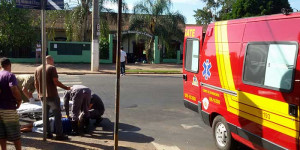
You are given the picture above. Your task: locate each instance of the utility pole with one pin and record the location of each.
(43, 34)
(117, 91)
(95, 34)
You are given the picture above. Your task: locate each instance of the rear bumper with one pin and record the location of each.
(198, 108)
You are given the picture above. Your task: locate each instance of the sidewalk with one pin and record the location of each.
(131, 68)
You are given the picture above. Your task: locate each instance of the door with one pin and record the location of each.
(191, 76)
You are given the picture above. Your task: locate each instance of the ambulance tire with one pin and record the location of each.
(222, 134)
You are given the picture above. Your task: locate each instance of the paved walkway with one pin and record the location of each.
(18, 68)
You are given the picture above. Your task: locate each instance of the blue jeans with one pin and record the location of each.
(53, 103)
(123, 67)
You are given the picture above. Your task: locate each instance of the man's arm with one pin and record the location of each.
(17, 95)
(59, 84)
(66, 105)
(36, 85)
(26, 93)
(126, 58)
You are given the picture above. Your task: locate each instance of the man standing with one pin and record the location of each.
(81, 97)
(38, 52)
(10, 100)
(123, 60)
(52, 98)
(26, 87)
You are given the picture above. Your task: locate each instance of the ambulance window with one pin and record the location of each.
(270, 65)
(192, 55)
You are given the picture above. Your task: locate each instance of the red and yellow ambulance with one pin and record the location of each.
(243, 78)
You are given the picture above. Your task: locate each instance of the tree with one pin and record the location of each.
(77, 23)
(217, 9)
(249, 8)
(16, 31)
(156, 18)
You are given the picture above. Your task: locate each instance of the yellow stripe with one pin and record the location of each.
(266, 112)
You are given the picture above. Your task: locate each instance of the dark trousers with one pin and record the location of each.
(123, 67)
(81, 102)
(53, 103)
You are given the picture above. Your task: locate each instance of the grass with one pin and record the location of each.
(152, 71)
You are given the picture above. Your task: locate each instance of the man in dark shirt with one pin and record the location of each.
(10, 100)
(52, 98)
(96, 108)
(81, 97)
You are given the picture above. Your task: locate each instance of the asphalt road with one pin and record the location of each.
(152, 116)
(152, 111)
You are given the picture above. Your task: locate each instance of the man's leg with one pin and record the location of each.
(122, 67)
(12, 127)
(3, 144)
(2, 132)
(17, 144)
(54, 104)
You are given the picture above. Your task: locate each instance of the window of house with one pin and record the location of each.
(192, 55)
(270, 65)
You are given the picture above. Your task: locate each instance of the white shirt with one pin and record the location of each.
(38, 47)
(123, 55)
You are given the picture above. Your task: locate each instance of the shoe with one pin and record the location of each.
(49, 136)
(61, 138)
(121, 74)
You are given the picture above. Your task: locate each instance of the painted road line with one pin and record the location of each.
(164, 147)
(186, 126)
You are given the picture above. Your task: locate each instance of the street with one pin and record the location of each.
(152, 116)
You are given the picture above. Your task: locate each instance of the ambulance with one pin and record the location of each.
(243, 78)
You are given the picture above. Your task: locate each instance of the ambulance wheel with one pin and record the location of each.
(222, 134)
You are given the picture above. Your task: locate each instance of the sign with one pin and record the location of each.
(36, 4)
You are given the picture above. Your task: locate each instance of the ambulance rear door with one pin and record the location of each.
(191, 73)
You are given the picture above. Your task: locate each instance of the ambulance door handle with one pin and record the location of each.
(184, 77)
(293, 110)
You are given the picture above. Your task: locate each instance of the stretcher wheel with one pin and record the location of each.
(222, 135)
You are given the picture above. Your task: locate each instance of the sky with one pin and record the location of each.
(187, 7)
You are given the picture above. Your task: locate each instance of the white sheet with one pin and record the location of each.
(37, 107)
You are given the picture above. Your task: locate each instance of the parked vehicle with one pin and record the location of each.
(243, 79)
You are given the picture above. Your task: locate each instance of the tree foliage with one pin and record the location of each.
(213, 9)
(77, 23)
(16, 30)
(156, 18)
(249, 8)
(233, 9)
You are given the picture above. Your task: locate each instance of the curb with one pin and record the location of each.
(100, 72)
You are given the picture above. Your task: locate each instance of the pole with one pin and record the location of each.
(117, 92)
(95, 35)
(43, 28)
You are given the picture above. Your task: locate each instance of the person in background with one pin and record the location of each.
(81, 97)
(38, 52)
(123, 60)
(52, 98)
(10, 100)
(26, 87)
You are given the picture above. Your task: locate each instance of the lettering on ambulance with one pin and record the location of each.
(190, 32)
(190, 97)
(249, 106)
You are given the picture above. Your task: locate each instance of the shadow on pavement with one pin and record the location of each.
(126, 132)
(100, 137)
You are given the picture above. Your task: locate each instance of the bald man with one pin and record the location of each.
(52, 98)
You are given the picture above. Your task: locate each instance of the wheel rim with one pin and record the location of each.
(221, 134)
